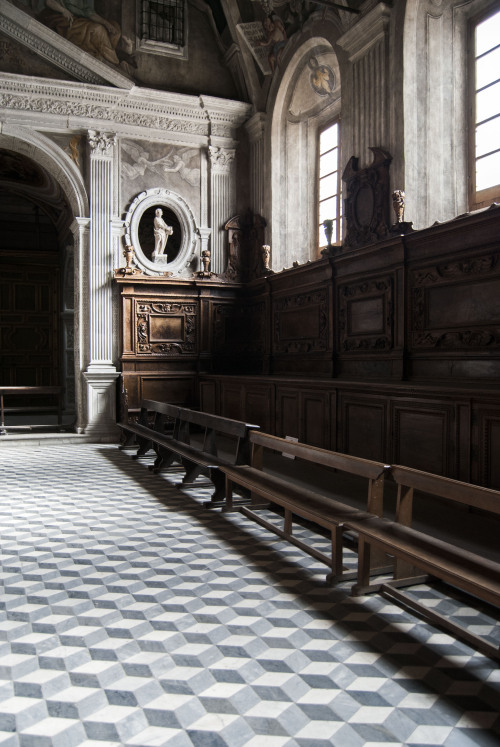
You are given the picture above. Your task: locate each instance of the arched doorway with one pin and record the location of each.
(36, 291)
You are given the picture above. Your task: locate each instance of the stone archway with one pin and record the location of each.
(57, 192)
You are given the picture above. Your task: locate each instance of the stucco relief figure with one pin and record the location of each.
(161, 233)
(275, 39)
(177, 160)
(78, 22)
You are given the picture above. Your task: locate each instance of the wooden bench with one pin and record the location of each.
(200, 441)
(417, 551)
(47, 392)
(328, 510)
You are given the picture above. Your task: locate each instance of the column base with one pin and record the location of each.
(101, 403)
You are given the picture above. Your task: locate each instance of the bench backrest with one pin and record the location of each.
(409, 479)
(374, 472)
(333, 459)
(221, 436)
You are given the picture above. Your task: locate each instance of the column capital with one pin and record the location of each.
(80, 226)
(366, 32)
(221, 159)
(101, 142)
(256, 126)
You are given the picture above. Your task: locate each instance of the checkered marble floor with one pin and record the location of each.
(132, 615)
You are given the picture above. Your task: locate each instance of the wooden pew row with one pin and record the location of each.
(330, 510)
(202, 443)
(416, 551)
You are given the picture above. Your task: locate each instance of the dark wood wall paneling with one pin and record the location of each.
(390, 352)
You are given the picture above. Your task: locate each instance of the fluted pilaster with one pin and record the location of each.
(101, 372)
(222, 202)
(101, 256)
(367, 47)
(256, 128)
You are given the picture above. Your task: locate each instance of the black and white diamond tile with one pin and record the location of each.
(130, 614)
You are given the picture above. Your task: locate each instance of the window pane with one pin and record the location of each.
(328, 209)
(328, 138)
(488, 103)
(488, 68)
(328, 186)
(488, 171)
(328, 163)
(488, 34)
(488, 138)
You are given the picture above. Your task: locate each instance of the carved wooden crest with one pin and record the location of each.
(367, 200)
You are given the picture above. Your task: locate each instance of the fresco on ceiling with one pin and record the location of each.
(266, 41)
(147, 165)
(98, 33)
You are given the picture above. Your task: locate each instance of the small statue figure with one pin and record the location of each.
(398, 204)
(161, 233)
(266, 256)
(205, 258)
(128, 253)
(401, 226)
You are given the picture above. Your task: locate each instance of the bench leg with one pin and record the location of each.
(145, 444)
(337, 555)
(127, 440)
(218, 479)
(163, 460)
(193, 471)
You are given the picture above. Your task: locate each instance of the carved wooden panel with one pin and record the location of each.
(166, 328)
(364, 426)
(315, 423)
(259, 406)
(231, 396)
(366, 315)
(240, 328)
(287, 412)
(300, 323)
(456, 305)
(486, 446)
(173, 389)
(423, 436)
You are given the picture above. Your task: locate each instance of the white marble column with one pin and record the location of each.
(222, 202)
(101, 372)
(258, 172)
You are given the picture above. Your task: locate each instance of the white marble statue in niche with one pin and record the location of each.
(161, 233)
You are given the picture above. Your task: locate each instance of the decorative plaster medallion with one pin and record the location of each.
(322, 78)
(189, 234)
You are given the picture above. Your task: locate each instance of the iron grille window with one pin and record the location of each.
(163, 21)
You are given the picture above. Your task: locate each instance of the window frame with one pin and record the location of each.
(337, 238)
(485, 197)
(166, 49)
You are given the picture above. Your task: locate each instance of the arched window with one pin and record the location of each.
(485, 110)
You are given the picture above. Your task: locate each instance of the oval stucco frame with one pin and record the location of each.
(189, 240)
